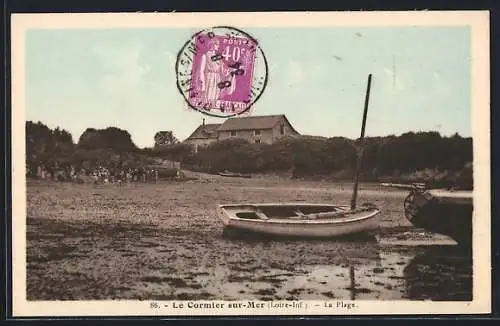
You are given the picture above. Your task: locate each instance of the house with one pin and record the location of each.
(255, 129)
(203, 135)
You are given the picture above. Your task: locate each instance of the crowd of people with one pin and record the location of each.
(99, 173)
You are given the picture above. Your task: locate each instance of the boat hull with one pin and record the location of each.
(316, 228)
(234, 175)
(440, 214)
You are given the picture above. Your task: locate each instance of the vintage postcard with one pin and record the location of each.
(305, 163)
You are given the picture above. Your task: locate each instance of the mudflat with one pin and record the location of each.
(164, 241)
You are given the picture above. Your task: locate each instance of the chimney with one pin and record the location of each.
(203, 121)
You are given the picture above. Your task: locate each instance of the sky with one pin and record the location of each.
(78, 79)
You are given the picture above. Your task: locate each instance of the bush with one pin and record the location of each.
(398, 157)
(174, 152)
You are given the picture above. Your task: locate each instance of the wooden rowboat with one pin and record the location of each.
(306, 220)
(442, 211)
(300, 219)
(234, 175)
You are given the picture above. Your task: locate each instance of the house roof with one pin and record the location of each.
(205, 131)
(253, 122)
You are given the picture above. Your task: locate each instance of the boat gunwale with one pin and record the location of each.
(328, 221)
(284, 204)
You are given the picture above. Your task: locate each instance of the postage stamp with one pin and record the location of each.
(216, 71)
(332, 163)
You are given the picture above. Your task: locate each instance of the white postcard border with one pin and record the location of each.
(478, 21)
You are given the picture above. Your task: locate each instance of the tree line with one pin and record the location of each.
(412, 155)
(53, 150)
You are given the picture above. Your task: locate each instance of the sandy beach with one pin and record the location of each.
(164, 241)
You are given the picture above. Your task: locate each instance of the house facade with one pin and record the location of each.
(254, 129)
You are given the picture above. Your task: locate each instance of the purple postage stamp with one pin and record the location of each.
(221, 72)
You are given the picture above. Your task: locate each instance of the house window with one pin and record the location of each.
(257, 141)
(233, 133)
(282, 129)
(256, 132)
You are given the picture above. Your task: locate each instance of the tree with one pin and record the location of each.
(42, 141)
(110, 137)
(165, 138)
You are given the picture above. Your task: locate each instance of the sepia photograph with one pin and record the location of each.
(251, 163)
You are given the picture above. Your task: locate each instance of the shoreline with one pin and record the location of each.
(164, 241)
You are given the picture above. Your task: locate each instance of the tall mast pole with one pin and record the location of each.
(360, 153)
